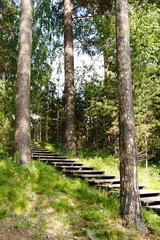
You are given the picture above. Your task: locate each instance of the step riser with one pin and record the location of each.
(56, 160)
(156, 208)
(87, 172)
(42, 152)
(74, 168)
(149, 195)
(106, 184)
(62, 164)
(151, 203)
(88, 176)
(48, 157)
(45, 153)
(118, 186)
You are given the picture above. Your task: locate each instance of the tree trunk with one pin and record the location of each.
(40, 128)
(106, 72)
(130, 205)
(22, 104)
(70, 131)
(46, 123)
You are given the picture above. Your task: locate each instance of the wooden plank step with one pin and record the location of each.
(49, 156)
(43, 151)
(94, 176)
(59, 164)
(156, 208)
(46, 153)
(37, 148)
(73, 171)
(40, 151)
(70, 168)
(150, 200)
(33, 146)
(58, 160)
(118, 186)
(101, 181)
(149, 192)
(107, 183)
(79, 172)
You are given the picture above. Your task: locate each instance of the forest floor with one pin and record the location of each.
(39, 202)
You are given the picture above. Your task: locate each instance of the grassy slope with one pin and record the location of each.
(44, 203)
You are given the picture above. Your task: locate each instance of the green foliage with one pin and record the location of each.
(96, 111)
(9, 40)
(8, 65)
(144, 23)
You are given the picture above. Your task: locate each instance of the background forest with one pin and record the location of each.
(96, 96)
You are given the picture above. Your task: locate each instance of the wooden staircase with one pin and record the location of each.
(149, 198)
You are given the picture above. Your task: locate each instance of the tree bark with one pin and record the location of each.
(130, 205)
(106, 65)
(70, 131)
(22, 103)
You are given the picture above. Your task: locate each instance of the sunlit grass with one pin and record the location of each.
(40, 198)
(150, 177)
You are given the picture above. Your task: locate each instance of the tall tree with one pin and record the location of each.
(130, 205)
(22, 104)
(70, 131)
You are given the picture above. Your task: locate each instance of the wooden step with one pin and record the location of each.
(49, 156)
(148, 201)
(118, 186)
(40, 151)
(37, 148)
(63, 161)
(149, 193)
(156, 208)
(81, 172)
(36, 153)
(68, 169)
(91, 176)
(59, 164)
(101, 181)
(108, 182)
(33, 146)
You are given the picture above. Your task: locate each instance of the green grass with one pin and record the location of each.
(40, 198)
(150, 177)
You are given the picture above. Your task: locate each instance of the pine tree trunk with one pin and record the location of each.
(46, 123)
(130, 205)
(47, 113)
(40, 128)
(22, 104)
(70, 132)
(106, 72)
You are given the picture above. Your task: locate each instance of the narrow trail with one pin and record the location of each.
(150, 199)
